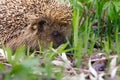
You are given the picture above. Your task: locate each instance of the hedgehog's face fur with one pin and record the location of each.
(48, 31)
(43, 31)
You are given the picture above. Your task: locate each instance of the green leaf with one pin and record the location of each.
(2, 68)
(117, 5)
(20, 52)
(9, 55)
(110, 10)
(30, 62)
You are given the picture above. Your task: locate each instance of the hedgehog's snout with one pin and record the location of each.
(49, 32)
(58, 38)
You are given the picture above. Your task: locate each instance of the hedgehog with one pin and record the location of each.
(34, 22)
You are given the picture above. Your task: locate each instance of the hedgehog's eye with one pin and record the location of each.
(58, 37)
(34, 27)
(41, 25)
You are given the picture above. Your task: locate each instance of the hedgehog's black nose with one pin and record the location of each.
(56, 34)
(58, 38)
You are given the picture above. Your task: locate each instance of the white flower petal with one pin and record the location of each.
(92, 70)
(2, 53)
(64, 57)
(76, 77)
(82, 76)
(101, 76)
(57, 63)
(113, 63)
(113, 72)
